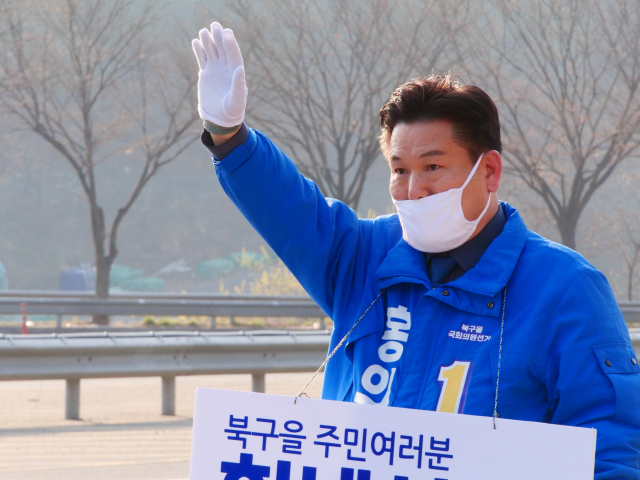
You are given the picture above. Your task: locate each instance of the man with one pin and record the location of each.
(457, 306)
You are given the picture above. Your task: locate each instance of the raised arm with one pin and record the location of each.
(322, 242)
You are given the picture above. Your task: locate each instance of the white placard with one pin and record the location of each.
(253, 436)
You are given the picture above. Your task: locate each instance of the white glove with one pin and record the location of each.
(222, 91)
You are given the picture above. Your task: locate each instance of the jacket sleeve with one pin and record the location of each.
(320, 240)
(593, 378)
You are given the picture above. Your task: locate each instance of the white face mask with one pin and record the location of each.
(436, 223)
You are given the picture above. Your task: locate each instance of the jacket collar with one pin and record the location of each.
(468, 254)
(403, 263)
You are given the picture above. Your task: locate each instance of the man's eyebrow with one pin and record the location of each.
(430, 153)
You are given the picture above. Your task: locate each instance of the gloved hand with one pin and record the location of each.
(222, 92)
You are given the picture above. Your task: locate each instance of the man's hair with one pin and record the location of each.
(470, 111)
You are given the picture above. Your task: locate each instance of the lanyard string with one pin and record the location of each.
(334, 351)
(495, 405)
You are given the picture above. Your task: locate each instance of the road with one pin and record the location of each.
(121, 435)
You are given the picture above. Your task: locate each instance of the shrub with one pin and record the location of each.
(130, 280)
(276, 280)
(215, 268)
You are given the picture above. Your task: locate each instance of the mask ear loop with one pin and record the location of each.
(295, 400)
(472, 173)
(495, 405)
(466, 182)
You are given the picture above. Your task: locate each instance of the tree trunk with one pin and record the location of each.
(103, 277)
(103, 262)
(567, 227)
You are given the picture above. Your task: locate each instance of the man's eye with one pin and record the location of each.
(433, 167)
(399, 171)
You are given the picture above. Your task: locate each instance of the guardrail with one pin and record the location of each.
(224, 306)
(84, 303)
(168, 354)
(630, 311)
(145, 295)
(72, 357)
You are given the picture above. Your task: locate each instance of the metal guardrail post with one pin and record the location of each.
(213, 324)
(72, 403)
(257, 382)
(58, 323)
(168, 395)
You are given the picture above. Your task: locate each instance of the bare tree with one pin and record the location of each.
(567, 77)
(623, 235)
(631, 257)
(81, 75)
(320, 71)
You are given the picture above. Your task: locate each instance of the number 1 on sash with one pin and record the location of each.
(454, 381)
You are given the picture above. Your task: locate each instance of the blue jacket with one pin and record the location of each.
(566, 356)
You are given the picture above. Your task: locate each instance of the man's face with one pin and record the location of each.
(425, 160)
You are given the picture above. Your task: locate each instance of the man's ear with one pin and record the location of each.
(493, 168)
